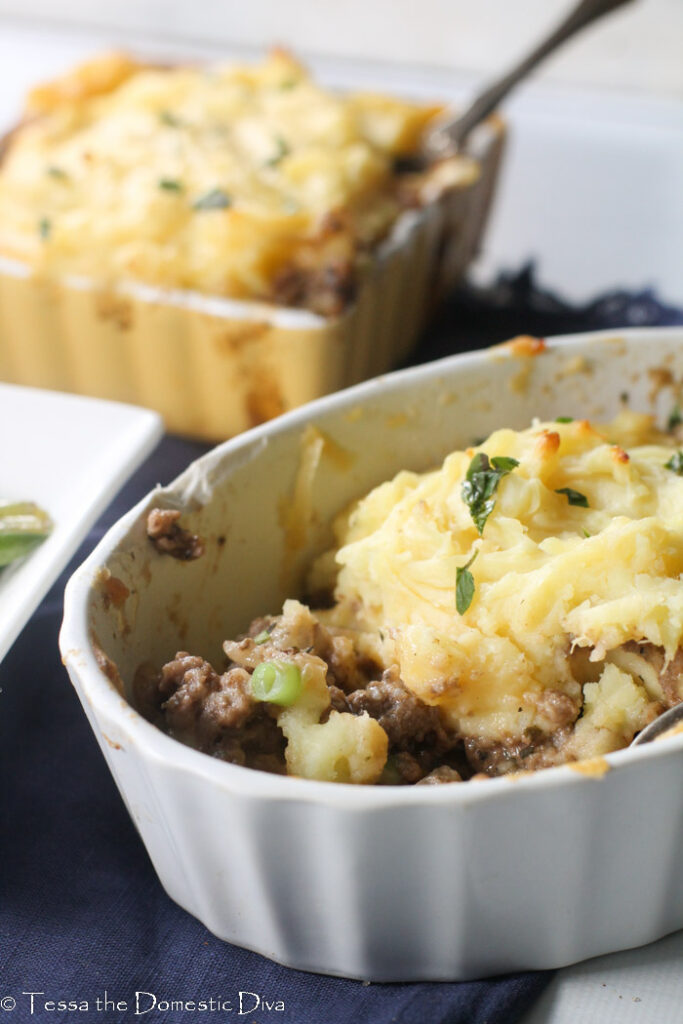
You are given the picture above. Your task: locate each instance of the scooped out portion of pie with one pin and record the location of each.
(519, 607)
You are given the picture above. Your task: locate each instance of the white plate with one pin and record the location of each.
(70, 455)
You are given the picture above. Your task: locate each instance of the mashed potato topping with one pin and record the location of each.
(519, 607)
(242, 181)
(581, 555)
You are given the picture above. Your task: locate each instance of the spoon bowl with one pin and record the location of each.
(662, 724)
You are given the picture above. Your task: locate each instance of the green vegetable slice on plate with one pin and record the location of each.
(23, 525)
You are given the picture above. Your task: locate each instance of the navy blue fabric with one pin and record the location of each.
(81, 911)
(516, 304)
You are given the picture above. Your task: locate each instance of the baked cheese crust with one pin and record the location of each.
(249, 182)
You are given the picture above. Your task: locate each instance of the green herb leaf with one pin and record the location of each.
(481, 483)
(675, 418)
(57, 173)
(288, 83)
(675, 463)
(464, 586)
(503, 464)
(574, 497)
(281, 152)
(44, 228)
(169, 119)
(216, 199)
(171, 185)
(564, 419)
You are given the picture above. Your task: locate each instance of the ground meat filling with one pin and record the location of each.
(670, 676)
(169, 537)
(405, 718)
(211, 712)
(534, 750)
(215, 712)
(326, 290)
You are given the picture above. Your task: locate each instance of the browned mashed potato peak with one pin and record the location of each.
(520, 607)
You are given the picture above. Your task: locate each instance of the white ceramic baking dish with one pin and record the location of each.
(214, 366)
(385, 883)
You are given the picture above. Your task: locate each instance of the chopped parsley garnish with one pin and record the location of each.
(170, 185)
(216, 199)
(564, 419)
(57, 173)
(675, 463)
(281, 152)
(169, 119)
(574, 497)
(675, 418)
(464, 586)
(481, 483)
(288, 83)
(262, 637)
(44, 228)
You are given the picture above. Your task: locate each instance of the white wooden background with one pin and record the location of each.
(640, 47)
(593, 177)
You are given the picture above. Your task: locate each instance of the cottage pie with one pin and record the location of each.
(519, 607)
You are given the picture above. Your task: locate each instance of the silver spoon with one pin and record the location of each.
(448, 137)
(660, 725)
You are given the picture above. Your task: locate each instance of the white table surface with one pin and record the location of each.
(640, 986)
(592, 189)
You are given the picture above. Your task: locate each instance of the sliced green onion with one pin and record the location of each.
(170, 185)
(23, 525)
(262, 637)
(564, 419)
(278, 682)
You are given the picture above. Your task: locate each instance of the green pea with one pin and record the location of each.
(278, 682)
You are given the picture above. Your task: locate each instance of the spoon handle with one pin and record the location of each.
(448, 137)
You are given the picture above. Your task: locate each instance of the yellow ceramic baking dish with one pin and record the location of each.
(215, 365)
